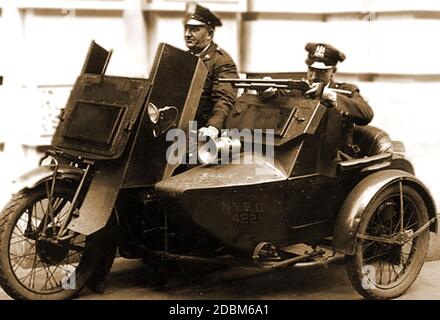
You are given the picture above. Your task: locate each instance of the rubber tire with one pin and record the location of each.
(8, 219)
(354, 263)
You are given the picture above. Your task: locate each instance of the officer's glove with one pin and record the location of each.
(314, 88)
(210, 131)
(268, 92)
(328, 96)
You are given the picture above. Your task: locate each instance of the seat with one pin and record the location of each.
(371, 141)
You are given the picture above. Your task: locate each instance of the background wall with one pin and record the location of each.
(391, 46)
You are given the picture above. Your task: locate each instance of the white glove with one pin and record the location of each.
(313, 88)
(210, 131)
(269, 92)
(327, 94)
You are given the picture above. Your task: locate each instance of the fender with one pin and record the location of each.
(41, 174)
(350, 214)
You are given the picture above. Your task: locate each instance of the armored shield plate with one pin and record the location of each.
(177, 80)
(100, 115)
(97, 59)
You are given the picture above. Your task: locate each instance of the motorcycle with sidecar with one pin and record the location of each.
(106, 184)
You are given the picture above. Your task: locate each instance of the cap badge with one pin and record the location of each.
(319, 52)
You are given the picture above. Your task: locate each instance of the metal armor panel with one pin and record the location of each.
(177, 82)
(144, 159)
(100, 115)
(97, 59)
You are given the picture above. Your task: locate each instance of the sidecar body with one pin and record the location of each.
(303, 193)
(319, 181)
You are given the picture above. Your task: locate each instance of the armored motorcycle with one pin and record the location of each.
(106, 184)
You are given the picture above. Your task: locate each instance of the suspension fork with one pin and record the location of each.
(49, 193)
(72, 209)
(50, 216)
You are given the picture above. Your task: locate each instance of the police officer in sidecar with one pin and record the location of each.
(322, 60)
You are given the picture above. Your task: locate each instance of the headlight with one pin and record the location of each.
(153, 113)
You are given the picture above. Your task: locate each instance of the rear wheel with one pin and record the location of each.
(35, 262)
(391, 246)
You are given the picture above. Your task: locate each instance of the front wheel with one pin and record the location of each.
(392, 242)
(35, 262)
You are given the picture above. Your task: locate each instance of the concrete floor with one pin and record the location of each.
(131, 280)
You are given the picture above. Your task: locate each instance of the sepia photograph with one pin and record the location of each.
(219, 154)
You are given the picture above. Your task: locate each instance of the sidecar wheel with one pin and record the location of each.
(32, 265)
(384, 270)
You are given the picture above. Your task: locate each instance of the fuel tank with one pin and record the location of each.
(239, 204)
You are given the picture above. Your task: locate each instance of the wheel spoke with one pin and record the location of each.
(21, 236)
(21, 259)
(19, 241)
(34, 268)
(31, 276)
(375, 257)
(31, 273)
(380, 239)
(410, 227)
(21, 255)
(59, 209)
(411, 218)
(366, 246)
(377, 224)
(397, 226)
(380, 270)
(45, 217)
(52, 276)
(390, 229)
(395, 272)
(380, 222)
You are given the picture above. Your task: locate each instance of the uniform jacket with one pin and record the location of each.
(355, 108)
(217, 98)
